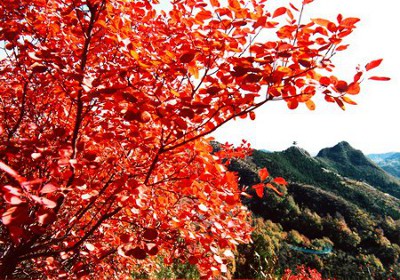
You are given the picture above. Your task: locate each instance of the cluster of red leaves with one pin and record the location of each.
(302, 273)
(267, 182)
(104, 110)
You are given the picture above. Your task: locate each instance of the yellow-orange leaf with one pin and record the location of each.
(134, 54)
(340, 103)
(310, 105)
(321, 21)
(348, 100)
(270, 186)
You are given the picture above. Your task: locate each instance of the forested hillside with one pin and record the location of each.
(333, 216)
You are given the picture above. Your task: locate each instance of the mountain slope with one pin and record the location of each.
(327, 204)
(298, 166)
(352, 163)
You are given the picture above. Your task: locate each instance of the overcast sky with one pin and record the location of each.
(371, 126)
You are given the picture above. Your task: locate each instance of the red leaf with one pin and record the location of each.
(376, 78)
(292, 103)
(357, 76)
(332, 27)
(304, 63)
(348, 100)
(278, 12)
(48, 188)
(259, 189)
(373, 64)
(239, 71)
(325, 81)
(349, 22)
(150, 234)
(263, 173)
(203, 15)
(124, 237)
(38, 68)
(137, 253)
(339, 18)
(213, 90)
(341, 86)
(280, 181)
(234, 4)
(293, 7)
(354, 88)
(342, 47)
(193, 260)
(260, 22)
(252, 78)
(215, 3)
(187, 57)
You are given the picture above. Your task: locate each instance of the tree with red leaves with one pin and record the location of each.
(105, 109)
(303, 273)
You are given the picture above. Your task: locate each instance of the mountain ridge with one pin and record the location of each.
(352, 163)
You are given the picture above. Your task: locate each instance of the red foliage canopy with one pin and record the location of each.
(104, 110)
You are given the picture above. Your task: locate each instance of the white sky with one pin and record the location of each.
(371, 126)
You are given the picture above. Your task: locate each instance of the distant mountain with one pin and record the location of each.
(390, 162)
(354, 164)
(379, 157)
(339, 199)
